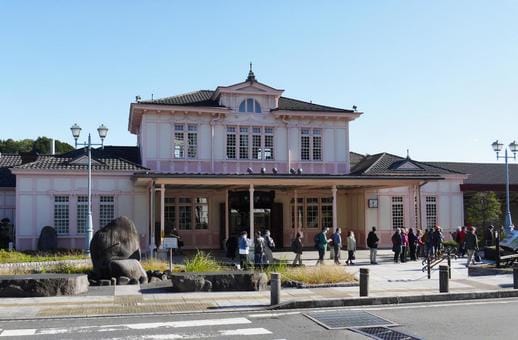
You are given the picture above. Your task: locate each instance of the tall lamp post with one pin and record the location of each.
(103, 131)
(513, 147)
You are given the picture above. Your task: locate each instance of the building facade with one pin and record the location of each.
(213, 163)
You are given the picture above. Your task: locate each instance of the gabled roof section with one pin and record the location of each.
(482, 173)
(385, 164)
(290, 104)
(106, 159)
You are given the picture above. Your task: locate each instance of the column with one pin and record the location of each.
(335, 224)
(295, 214)
(252, 213)
(227, 232)
(162, 213)
(152, 244)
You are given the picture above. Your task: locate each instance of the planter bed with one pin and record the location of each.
(42, 285)
(219, 281)
(297, 284)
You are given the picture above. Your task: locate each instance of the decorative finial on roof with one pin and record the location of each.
(407, 154)
(251, 75)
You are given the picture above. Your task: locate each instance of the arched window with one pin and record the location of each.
(250, 105)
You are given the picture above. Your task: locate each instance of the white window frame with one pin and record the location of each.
(250, 105)
(82, 214)
(312, 151)
(106, 209)
(242, 143)
(185, 141)
(62, 214)
(317, 201)
(431, 211)
(397, 212)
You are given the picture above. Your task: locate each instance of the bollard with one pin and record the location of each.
(364, 281)
(275, 289)
(443, 279)
(515, 276)
(428, 267)
(449, 265)
(497, 248)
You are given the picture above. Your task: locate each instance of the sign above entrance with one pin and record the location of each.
(241, 199)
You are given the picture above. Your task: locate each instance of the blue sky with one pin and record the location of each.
(437, 77)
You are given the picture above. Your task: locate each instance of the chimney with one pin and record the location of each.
(28, 157)
(52, 146)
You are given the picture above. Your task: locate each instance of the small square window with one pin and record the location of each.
(178, 127)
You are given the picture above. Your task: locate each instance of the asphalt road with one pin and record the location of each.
(456, 320)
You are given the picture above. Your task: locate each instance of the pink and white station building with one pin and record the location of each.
(200, 156)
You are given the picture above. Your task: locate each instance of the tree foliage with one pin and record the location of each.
(41, 145)
(483, 209)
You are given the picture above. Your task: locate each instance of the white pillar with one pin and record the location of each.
(335, 224)
(162, 213)
(227, 231)
(251, 190)
(152, 244)
(296, 214)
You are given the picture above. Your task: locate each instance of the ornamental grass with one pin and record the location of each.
(35, 256)
(60, 268)
(202, 262)
(318, 275)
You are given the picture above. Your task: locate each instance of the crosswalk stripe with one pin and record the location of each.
(17, 332)
(246, 331)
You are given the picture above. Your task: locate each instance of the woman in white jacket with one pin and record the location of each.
(351, 247)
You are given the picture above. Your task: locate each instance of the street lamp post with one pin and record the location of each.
(103, 131)
(513, 147)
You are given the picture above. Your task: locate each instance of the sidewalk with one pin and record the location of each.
(386, 280)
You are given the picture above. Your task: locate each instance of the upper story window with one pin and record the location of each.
(246, 142)
(185, 141)
(311, 144)
(250, 105)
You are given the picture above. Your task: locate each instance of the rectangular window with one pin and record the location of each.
(304, 148)
(192, 144)
(106, 210)
(185, 217)
(268, 143)
(179, 145)
(431, 211)
(317, 148)
(185, 143)
(169, 214)
(256, 147)
(231, 142)
(243, 143)
(397, 212)
(82, 214)
(61, 214)
(327, 215)
(312, 216)
(201, 213)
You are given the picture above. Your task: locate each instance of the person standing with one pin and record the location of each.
(244, 249)
(259, 246)
(296, 247)
(404, 245)
(489, 236)
(396, 244)
(437, 239)
(270, 244)
(420, 244)
(461, 237)
(321, 242)
(412, 244)
(337, 244)
(372, 243)
(351, 247)
(471, 245)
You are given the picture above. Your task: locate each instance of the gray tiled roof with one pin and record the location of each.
(104, 160)
(203, 98)
(7, 179)
(385, 164)
(483, 173)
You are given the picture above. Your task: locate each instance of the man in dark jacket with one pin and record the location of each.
(396, 244)
(471, 245)
(372, 243)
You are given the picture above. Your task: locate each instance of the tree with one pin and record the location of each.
(41, 145)
(483, 209)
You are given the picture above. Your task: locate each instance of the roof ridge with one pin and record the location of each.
(376, 161)
(310, 102)
(179, 95)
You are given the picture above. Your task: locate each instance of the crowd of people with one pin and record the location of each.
(407, 244)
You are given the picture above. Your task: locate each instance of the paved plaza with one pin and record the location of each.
(387, 279)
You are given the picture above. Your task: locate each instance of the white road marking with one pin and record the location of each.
(17, 332)
(452, 304)
(271, 315)
(125, 327)
(246, 331)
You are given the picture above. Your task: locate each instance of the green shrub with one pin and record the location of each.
(202, 262)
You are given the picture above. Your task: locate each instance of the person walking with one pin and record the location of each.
(296, 247)
(321, 242)
(337, 244)
(412, 244)
(244, 248)
(461, 237)
(351, 248)
(259, 246)
(269, 245)
(396, 244)
(420, 244)
(372, 243)
(404, 245)
(471, 245)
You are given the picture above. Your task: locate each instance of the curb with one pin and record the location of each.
(395, 300)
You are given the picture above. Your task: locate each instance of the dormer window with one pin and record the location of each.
(250, 105)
